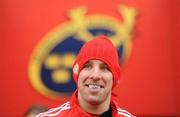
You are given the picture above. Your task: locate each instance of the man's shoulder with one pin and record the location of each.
(124, 113)
(118, 111)
(56, 111)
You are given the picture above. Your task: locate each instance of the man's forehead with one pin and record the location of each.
(96, 61)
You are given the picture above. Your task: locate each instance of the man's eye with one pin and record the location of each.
(105, 68)
(87, 66)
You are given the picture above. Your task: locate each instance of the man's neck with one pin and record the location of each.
(94, 108)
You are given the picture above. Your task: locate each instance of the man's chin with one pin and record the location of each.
(94, 101)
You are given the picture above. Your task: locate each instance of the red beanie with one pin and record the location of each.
(99, 48)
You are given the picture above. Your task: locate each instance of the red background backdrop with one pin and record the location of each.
(151, 77)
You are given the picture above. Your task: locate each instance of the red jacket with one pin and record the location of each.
(72, 109)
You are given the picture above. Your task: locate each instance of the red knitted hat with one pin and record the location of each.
(99, 48)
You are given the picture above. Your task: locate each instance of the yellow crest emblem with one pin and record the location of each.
(51, 62)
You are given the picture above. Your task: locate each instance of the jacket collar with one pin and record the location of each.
(78, 110)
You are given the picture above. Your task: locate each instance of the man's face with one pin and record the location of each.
(95, 82)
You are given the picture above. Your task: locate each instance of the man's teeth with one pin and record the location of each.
(94, 86)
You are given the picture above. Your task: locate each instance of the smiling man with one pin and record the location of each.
(96, 72)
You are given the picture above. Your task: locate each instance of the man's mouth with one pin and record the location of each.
(94, 86)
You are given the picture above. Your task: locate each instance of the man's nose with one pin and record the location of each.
(95, 74)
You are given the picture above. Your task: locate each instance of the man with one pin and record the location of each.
(96, 72)
(34, 110)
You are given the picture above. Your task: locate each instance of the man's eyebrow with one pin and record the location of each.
(104, 64)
